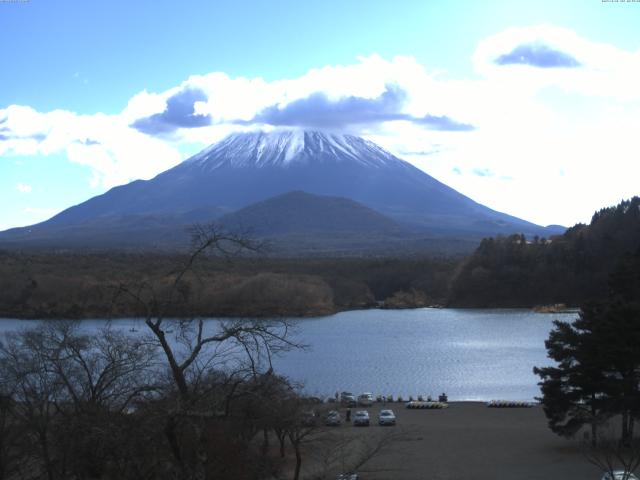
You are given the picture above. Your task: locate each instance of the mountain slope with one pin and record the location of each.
(306, 214)
(246, 168)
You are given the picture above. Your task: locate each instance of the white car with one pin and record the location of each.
(619, 475)
(365, 399)
(361, 418)
(348, 399)
(386, 417)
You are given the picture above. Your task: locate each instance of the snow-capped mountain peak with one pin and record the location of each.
(285, 147)
(249, 168)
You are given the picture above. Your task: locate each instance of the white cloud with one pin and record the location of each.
(24, 188)
(550, 145)
(115, 152)
(604, 71)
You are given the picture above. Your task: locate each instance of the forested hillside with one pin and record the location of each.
(85, 285)
(511, 271)
(570, 268)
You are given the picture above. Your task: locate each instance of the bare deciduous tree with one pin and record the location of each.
(11, 461)
(36, 391)
(68, 389)
(195, 347)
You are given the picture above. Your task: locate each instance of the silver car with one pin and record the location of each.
(619, 475)
(361, 418)
(386, 417)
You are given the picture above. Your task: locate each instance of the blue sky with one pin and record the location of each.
(551, 140)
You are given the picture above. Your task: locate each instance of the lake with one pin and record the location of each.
(469, 354)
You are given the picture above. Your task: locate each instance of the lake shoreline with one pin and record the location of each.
(313, 314)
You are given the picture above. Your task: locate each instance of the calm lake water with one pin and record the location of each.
(469, 354)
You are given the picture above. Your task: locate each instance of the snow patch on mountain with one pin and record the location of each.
(285, 147)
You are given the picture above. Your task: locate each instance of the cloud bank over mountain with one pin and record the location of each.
(544, 104)
(319, 111)
(178, 113)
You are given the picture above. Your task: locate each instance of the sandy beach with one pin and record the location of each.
(470, 441)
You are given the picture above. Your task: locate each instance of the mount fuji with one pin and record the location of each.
(243, 169)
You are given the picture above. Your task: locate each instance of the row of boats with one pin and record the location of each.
(427, 405)
(367, 399)
(509, 404)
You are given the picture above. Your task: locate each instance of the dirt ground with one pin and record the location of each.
(465, 441)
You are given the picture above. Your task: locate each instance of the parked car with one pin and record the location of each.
(333, 419)
(361, 418)
(365, 399)
(348, 476)
(619, 475)
(386, 417)
(348, 399)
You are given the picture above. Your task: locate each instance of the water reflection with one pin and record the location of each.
(470, 354)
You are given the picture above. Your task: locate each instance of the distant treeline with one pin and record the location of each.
(572, 268)
(511, 271)
(68, 285)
